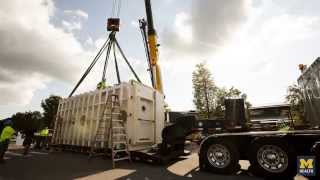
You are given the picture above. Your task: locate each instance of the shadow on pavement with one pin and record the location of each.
(42, 165)
(164, 173)
(64, 165)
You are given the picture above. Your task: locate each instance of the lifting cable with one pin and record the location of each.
(90, 67)
(116, 8)
(110, 44)
(113, 7)
(126, 60)
(106, 61)
(119, 8)
(143, 30)
(116, 63)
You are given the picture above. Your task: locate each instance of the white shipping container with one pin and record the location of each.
(78, 116)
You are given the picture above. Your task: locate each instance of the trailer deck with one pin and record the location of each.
(265, 133)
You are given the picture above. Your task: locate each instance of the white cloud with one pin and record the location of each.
(259, 57)
(89, 42)
(134, 24)
(177, 78)
(184, 28)
(71, 26)
(22, 91)
(77, 13)
(34, 52)
(208, 26)
(75, 20)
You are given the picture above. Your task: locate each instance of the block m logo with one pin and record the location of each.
(306, 164)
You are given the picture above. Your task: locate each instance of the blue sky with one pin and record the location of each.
(254, 45)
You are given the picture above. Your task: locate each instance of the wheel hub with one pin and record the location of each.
(272, 158)
(218, 156)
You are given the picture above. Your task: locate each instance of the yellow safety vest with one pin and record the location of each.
(101, 85)
(44, 132)
(7, 133)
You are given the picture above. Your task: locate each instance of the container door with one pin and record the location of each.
(144, 118)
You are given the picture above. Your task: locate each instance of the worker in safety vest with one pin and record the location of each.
(44, 134)
(101, 85)
(5, 137)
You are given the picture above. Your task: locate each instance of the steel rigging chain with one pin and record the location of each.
(111, 44)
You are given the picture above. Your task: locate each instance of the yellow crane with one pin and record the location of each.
(152, 49)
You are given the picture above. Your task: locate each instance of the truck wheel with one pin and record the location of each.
(219, 157)
(272, 158)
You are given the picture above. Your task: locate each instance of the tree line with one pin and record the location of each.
(208, 98)
(35, 120)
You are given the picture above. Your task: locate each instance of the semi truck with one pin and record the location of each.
(271, 153)
(142, 108)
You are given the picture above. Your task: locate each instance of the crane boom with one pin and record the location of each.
(153, 49)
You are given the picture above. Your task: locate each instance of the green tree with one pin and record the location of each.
(50, 107)
(204, 90)
(27, 121)
(209, 98)
(295, 98)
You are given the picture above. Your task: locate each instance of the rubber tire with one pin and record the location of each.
(232, 168)
(257, 170)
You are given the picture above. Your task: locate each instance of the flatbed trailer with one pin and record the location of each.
(272, 154)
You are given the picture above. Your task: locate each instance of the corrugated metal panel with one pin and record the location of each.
(78, 116)
(309, 82)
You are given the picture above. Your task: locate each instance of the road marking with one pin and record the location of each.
(13, 153)
(109, 174)
(40, 153)
(17, 154)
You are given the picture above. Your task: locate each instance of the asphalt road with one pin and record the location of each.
(67, 165)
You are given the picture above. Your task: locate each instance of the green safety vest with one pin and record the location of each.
(101, 85)
(7, 133)
(44, 132)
